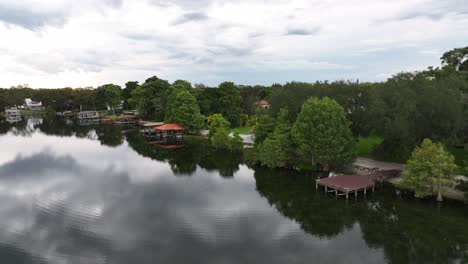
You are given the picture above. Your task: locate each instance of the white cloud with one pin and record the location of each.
(59, 43)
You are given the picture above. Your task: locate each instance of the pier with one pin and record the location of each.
(352, 184)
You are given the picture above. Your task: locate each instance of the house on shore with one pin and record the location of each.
(32, 105)
(263, 104)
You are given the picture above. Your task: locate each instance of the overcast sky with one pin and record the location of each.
(58, 43)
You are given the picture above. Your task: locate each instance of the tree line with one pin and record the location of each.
(403, 110)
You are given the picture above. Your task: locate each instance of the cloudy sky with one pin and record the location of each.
(58, 43)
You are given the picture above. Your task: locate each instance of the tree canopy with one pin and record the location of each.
(322, 133)
(182, 108)
(429, 169)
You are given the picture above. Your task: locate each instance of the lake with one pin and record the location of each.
(100, 194)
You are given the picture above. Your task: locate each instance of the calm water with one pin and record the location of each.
(83, 194)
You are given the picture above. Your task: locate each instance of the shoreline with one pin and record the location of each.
(365, 165)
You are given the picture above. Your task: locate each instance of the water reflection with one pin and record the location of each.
(97, 195)
(408, 231)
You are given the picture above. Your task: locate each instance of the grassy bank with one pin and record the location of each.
(366, 145)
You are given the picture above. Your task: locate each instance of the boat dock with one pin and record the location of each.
(349, 184)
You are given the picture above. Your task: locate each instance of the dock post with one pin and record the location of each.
(355, 193)
(316, 184)
(336, 192)
(346, 195)
(326, 189)
(373, 188)
(365, 190)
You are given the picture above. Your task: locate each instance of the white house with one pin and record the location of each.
(32, 105)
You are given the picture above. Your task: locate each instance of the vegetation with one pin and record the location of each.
(322, 133)
(243, 129)
(430, 168)
(182, 108)
(366, 146)
(277, 149)
(220, 134)
(328, 118)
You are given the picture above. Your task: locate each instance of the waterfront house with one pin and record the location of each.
(263, 104)
(32, 105)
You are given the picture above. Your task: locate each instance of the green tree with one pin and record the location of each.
(265, 125)
(322, 133)
(182, 108)
(108, 95)
(127, 93)
(182, 84)
(151, 97)
(217, 121)
(220, 134)
(229, 102)
(236, 142)
(429, 169)
(456, 58)
(277, 149)
(220, 139)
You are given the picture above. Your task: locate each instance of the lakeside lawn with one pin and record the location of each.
(243, 129)
(366, 145)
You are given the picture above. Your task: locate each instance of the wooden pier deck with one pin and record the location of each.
(348, 184)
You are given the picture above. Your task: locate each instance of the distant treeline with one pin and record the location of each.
(404, 109)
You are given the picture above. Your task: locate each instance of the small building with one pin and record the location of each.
(263, 104)
(32, 105)
(88, 115)
(174, 131)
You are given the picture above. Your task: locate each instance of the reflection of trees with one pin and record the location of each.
(412, 232)
(196, 151)
(408, 231)
(109, 135)
(293, 196)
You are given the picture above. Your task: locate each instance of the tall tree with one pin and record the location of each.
(277, 149)
(265, 125)
(322, 133)
(182, 108)
(429, 169)
(457, 58)
(229, 102)
(216, 122)
(127, 92)
(108, 95)
(150, 98)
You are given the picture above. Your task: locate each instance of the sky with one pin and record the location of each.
(69, 43)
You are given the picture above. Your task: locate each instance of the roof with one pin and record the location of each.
(153, 124)
(167, 127)
(263, 102)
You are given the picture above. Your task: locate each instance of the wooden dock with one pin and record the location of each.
(349, 184)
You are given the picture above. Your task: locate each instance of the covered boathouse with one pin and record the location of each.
(172, 131)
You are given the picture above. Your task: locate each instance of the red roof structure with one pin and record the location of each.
(263, 103)
(170, 127)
